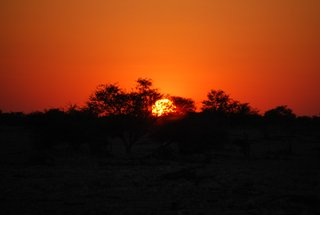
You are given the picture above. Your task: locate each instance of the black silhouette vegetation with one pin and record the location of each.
(113, 156)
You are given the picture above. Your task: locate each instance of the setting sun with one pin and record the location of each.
(163, 107)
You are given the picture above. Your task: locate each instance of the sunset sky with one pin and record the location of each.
(265, 52)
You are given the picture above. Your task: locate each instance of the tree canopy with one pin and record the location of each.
(110, 99)
(280, 113)
(219, 102)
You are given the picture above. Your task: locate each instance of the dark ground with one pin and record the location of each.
(266, 183)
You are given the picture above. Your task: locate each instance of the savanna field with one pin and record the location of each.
(280, 175)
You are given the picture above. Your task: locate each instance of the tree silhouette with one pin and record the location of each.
(217, 101)
(220, 102)
(144, 97)
(279, 113)
(129, 112)
(280, 124)
(109, 99)
(183, 105)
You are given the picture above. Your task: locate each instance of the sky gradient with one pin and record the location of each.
(55, 53)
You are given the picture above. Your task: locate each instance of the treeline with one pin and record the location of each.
(114, 113)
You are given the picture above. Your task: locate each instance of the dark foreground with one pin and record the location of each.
(228, 184)
(226, 187)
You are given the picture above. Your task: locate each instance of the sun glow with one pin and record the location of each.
(163, 107)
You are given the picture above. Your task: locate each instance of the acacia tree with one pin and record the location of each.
(143, 97)
(129, 112)
(111, 100)
(107, 100)
(183, 105)
(219, 102)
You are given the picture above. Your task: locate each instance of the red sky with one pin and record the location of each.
(55, 53)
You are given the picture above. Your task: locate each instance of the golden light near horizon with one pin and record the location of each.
(163, 107)
(198, 45)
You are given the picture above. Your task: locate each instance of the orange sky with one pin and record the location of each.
(53, 53)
